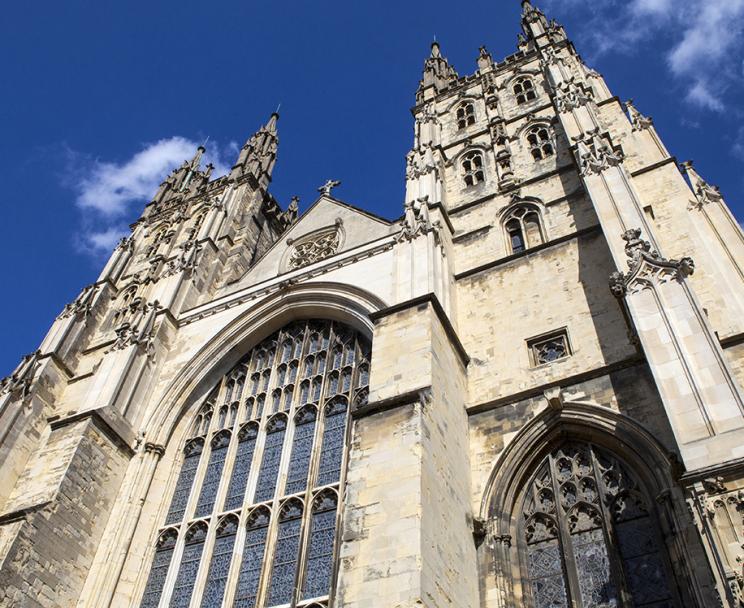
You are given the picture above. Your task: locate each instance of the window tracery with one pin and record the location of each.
(233, 467)
(524, 90)
(523, 228)
(473, 168)
(315, 248)
(589, 535)
(465, 115)
(540, 142)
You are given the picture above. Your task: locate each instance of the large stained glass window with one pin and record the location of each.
(255, 500)
(589, 535)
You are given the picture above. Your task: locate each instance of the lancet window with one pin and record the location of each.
(252, 517)
(524, 90)
(540, 142)
(523, 228)
(473, 168)
(465, 115)
(589, 536)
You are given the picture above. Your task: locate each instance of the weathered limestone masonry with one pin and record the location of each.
(524, 392)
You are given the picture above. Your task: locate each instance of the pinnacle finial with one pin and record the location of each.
(435, 50)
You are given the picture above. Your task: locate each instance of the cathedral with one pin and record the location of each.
(526, 391)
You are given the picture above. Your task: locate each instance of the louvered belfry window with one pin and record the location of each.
(253, 511)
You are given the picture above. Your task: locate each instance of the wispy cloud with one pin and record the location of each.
(701, 40)
(110, 193)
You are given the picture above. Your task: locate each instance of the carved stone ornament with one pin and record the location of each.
(139, 330)
(646, 267)
(638, 121)
(416, 220)
(18, 384)
(82, 305)
(595, 154)
(327, 188)
(571, 95)
(315, 248)
(187, 260)
(705, 193)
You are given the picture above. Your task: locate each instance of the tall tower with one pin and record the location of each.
(72, 410)
(524, 392)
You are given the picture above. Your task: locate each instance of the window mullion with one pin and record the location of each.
(613, 552)
(573, 589)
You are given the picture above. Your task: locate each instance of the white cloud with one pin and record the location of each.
(107, 192)
(701, 40)
(110, 187)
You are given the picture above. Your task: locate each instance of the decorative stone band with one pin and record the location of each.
(646, 267)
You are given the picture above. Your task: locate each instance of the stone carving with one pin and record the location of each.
(714, 485)
(327, 188)
(82, 305)
(646, 267)
(704, 192)
(315, 249)
(571, 95)
(19, 382)
(416, 219)
(139, 329)
(595, 154)
(638, 120)
(187, 260)
(289, 217)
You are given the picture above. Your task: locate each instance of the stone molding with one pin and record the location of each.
(108, 420)
(646, 267)
(420, 395)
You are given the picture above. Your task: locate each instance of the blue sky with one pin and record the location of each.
(101, 99)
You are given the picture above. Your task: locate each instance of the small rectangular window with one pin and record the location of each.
(549, 348)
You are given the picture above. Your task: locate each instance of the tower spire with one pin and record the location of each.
(438, 75)
(258, 156)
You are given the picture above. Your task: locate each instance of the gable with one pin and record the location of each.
(329, 227)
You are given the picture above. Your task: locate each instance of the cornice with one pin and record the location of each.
(565, 382)
(667, 161)
(284, 280)
(419, 395)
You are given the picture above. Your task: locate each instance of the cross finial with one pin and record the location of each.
(326, 188)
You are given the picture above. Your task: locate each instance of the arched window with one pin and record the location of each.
(285, 549)
(588, 534)
(472, 168)
(320, 550)
(212, 478)
(281, 587)
(524, 90)
(190, 560)
(465, 115)
(523, 228)
(302, 447)
(159, 568)
(272, 456)
(220, 564)
(252, 558)
(540, 142)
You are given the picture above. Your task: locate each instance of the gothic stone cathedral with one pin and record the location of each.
(526, 392)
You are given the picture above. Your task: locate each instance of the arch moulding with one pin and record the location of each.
(324, 300)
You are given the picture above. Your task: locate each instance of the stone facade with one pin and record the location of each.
(551, 412)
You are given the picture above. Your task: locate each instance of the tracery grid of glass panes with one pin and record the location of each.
(589, 535)
(265, 453)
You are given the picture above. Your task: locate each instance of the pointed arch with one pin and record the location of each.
(539, 501)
